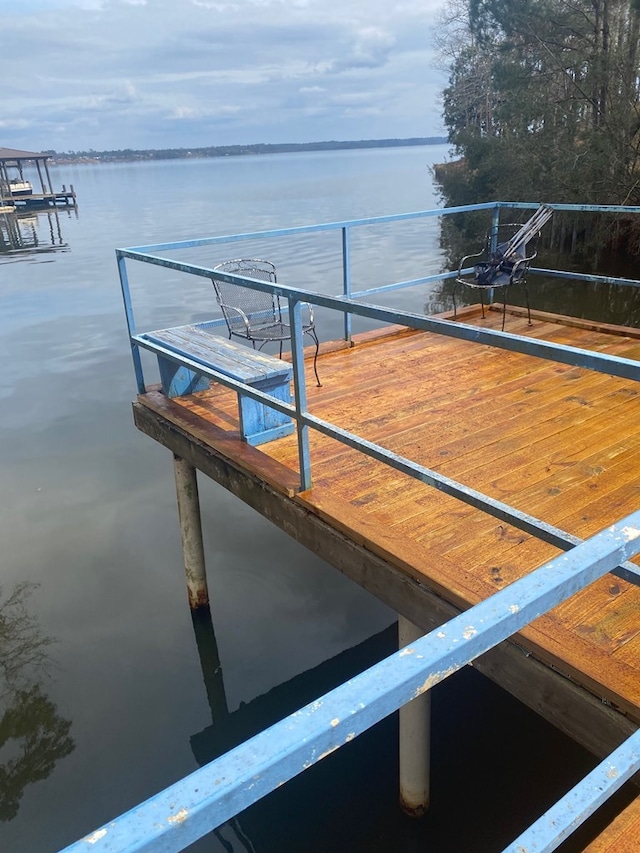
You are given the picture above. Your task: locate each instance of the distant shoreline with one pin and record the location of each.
(130, 154)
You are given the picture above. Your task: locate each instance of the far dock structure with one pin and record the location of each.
(16, 191)
(482, 483)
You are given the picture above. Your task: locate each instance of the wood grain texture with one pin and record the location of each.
(225, 355)
(622, 835)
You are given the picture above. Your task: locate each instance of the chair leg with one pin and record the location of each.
(504, 305)
(482, 302)
(455, 307)
(526, 295)
(313, 334)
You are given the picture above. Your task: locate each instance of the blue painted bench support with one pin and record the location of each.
(258, 423)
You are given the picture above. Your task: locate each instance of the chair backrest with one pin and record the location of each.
(260, 308)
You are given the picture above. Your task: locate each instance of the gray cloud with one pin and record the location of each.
(108, 74)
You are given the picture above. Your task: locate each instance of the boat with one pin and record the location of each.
(20, 187)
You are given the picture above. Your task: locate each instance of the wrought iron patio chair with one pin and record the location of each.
(505, 259)
(254, 315)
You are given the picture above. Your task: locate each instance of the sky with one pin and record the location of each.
(113, 74)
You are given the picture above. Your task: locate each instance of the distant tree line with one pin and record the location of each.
(238, 150)
(543, 101)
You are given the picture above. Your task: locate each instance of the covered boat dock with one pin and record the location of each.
(16, 191)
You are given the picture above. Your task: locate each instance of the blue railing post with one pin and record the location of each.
(495, 224)
(131, 323)
(346, 279)
(300, 392)
(493, 243)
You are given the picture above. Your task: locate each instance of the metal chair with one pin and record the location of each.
(255, 315)
(506, 256)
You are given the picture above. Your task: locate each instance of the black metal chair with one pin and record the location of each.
(255, 315)
(506, 255)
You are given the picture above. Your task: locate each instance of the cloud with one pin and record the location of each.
(371, 48)
(161, 73)
(13, 124)
(185, 113)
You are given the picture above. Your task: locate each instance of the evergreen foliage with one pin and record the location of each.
(543, 102)
(130, 154)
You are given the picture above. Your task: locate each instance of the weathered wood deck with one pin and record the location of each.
(558, 442)
(622, 835)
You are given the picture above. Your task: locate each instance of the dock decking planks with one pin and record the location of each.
(622, 835)
(555, 441)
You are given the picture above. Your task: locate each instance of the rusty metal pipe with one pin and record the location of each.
(191, 533)
(415, 738)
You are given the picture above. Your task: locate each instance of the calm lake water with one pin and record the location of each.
(125, 701)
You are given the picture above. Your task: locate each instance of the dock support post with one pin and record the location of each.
(415, 730)
(191, 532)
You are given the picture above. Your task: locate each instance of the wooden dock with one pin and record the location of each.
(622, 835)
(17, 193)
(558, 442)
(63, 198)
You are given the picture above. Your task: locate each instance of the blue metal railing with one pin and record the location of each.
(349, 305)
(602, 362)
(276, 753)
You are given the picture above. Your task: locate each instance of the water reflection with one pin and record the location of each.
(33, 736)
(287, 818)
(231, 837)
(29, 232)
(349, 800)
(229, 729)
(210, 662)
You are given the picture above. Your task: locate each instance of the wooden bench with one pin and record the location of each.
(179, 350)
